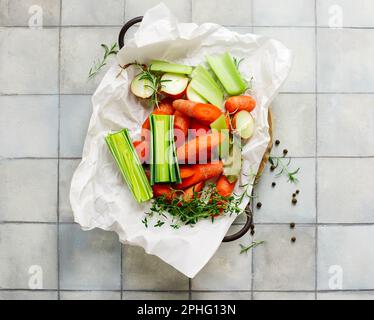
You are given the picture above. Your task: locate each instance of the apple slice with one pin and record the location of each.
(174, 85)
(142, 88)
(244, 124)
(192, 95)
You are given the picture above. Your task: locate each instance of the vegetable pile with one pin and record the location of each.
(188, 159)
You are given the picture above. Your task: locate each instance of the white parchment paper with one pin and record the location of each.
(99, 196)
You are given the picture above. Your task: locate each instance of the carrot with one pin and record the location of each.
(202, 172)
(186, 171)
(164, 107)
(161, 189)
(197, 129)
(142, 148)
(224, 187)
(189, 193)
(200, 146)
(181, 122)
(184, 106)
(203, 112)
(238, 103)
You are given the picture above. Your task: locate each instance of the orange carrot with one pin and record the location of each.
(203, 112)
(197, 129)
(202, 172)
(238, 103)
(189, 193)
(181, 122)
(160, 190)
(224, 187)
(142, 148)
(206, 113)
(186, 171)
(184, 106)
(191, 150)
(164, 107)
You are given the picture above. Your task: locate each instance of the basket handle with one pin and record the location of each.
(126, 27)
(248, 223)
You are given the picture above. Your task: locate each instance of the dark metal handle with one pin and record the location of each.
(248, 223)
(242, 231)
(126, 27)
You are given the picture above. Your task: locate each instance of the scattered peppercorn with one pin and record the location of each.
(273, 184)
(252, 226)
(297, 191)
(277, 142)
(259, 205)
(294, 195)
(252, 232)
(272, 168)
(293, 239)
(285, 151)
(292, 225)
(294, 201)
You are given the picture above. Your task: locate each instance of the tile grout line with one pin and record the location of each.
(58, 154)
(316, 152)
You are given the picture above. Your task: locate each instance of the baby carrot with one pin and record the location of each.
(181, 122)
(202, 172)
(189, 193)
(191, 150)
(239, 103)
(203, 112)
(142, 148)
(164, 107)
(186, 171)
(160, 190)
(224, 187)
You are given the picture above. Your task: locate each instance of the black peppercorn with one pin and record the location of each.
(252, 232)
(294, 195)
(273, 184)
(272, 168)
(292, 225)
(259, 205)
(294, 201)
(297, 191)
(277, 142)
(285, 151)
(293, 239)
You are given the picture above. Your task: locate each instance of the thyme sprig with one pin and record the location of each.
(205, 204)
(99, 64)
(284, 168)
(245, 249)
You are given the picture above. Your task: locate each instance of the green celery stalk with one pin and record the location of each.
(207, 90)
(123, 151)
(200, 71)
(227, 73)
(165, 66)
(164, 167)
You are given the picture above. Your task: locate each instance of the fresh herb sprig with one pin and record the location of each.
(245, 249)
(155, 84)
(283, 166)
(205, 204)
(99, 64)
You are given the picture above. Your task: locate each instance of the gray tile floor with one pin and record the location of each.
(324, 116)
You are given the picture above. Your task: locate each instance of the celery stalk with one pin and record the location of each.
(164, 167)
(128, 162)
(167, 67)
(227, 73)
(204, 84)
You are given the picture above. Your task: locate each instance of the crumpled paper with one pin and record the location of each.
(99, 196)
